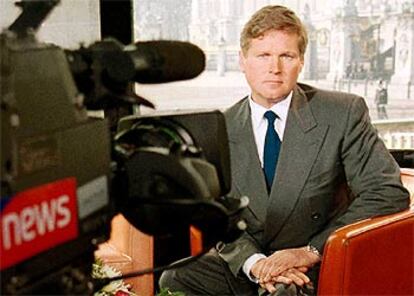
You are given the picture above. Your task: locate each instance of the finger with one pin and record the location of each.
(271, 273)
(265, 275)
(300, 275)
(302, 269)
(267, 278)
(262, 273)
(278, 270)
(257, 269)
(282, 279)
(295, 279)
(270, 287)
(267, 285)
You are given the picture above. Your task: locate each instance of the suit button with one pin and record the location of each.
(316, 216)
(220, 246)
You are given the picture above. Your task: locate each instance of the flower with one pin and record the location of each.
(122, 293)
(114, 288)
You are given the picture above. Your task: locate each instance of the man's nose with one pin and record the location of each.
(274, 65)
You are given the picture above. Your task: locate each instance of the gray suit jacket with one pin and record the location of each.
(329, 145)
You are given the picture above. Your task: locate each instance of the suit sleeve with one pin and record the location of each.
(371, 173)
(236, 253)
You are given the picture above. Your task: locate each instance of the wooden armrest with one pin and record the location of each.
(129, 250)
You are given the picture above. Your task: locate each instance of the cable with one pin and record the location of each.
(101, 282)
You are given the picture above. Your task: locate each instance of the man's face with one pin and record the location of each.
(272, 65)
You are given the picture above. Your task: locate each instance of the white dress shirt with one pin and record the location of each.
(259, 124)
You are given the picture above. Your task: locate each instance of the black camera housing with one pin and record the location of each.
(152, 169)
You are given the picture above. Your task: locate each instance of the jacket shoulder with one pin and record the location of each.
(236, 113)
(328, 99)
(333, 107)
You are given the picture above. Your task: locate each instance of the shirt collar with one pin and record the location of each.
(281, 109)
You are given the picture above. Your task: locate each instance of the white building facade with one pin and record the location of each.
(348, 39)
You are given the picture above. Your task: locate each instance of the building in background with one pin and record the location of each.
(365, 39)
(349, 39)
(162, 19)
(362, 40)
(352, 44)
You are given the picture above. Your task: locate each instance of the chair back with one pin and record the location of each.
(373, 256)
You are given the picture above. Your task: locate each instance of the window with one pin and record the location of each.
(352, 46)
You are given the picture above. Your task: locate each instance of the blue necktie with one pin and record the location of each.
(271, 149)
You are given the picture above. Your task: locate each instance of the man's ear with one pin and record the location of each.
(302, 63)
(241, 61)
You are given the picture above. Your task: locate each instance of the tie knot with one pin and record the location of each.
(270, 116)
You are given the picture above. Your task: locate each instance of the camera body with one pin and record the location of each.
(55, 168)
(64, 175)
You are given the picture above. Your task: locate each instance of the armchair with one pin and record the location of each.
(373, 256)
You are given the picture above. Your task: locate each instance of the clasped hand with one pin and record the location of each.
(284, 266)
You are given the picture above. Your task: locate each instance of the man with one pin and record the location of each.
(381, 99)
(327, 145)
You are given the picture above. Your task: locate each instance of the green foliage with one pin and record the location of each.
(167, 292)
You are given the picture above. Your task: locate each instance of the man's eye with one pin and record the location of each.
(287, 57)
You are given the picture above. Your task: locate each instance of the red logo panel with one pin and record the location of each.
(38, 219)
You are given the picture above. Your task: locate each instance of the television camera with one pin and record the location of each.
(64, 174)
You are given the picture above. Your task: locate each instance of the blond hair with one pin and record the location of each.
(273, 17)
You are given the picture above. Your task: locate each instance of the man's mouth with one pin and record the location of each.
(273, 81)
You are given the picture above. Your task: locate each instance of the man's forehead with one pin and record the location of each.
(272, 31)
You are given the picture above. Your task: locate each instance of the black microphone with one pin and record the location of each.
(156, 62)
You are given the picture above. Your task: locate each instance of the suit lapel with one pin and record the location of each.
(248, 174)
(301, 143)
